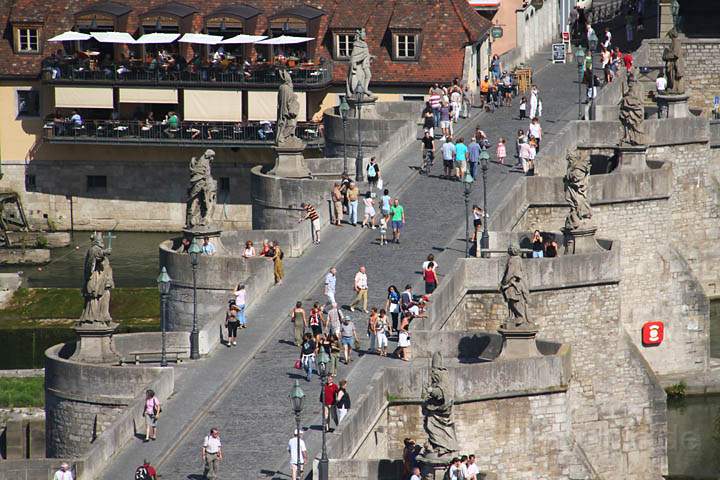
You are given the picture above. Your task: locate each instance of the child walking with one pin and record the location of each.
(501, 151)
(383, 231)
(523, 108)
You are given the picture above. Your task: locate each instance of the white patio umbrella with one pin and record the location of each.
(201, 39)
(113, 37)
(158, 38)
(70, 37)
(285, 40)
(238, 39)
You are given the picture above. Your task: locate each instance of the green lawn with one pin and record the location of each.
(127, 305)
(22, 392)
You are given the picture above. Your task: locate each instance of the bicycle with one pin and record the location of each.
(427, 162)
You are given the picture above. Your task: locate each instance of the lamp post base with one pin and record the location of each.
(194, 345)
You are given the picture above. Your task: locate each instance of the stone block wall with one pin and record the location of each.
(702, 74)
(523, 438)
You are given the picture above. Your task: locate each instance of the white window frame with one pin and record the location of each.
(19, 114)
(405, 38)
(350, 39)
(22, 34)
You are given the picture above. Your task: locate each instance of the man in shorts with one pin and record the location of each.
(348, 337)
(448, 154)
(312, 215)
(460, 158)
(298, 456)
(397, 213)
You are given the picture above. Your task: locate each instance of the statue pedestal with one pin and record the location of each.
(94, 343)
(672, 105)
(366, 107)
(433, 469)
(632, 158)
(518, 343)
(290, 162)
(201, 231)
(581, 240)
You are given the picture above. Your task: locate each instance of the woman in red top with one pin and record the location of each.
(315, 321)
(430, 277)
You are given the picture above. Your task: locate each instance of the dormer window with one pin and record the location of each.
(27, 38)
(406, 46)
(343, 45)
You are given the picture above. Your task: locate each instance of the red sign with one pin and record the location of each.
(652, 334)
(566, 36)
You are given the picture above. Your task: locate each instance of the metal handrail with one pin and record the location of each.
(185, 132)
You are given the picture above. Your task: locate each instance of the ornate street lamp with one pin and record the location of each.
(467, 184)
(344, 110)
(194, 252)
(297, 397)
(323, 361)
(592, 44)
(163, 282)
(485, 238)
(580, 59)
(359, 92)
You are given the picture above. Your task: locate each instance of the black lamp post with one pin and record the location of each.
(163, 282)
(194, 252)
(592, 44)
(323, 361)
(485, 238)
(344, 109)
(467, 184)
(296, 399)
(580, 59)
(359, 92)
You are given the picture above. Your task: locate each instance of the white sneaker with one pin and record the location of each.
(234, 343)
(352, 309)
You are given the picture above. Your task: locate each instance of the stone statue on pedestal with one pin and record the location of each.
(632, 114)
(288, 110)
(576, 190)
(97, 283)
(438, 399)
(515, 291)
(359, 68)
(674, 65)
(202, 192)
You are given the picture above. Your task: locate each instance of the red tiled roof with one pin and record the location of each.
(446, 26)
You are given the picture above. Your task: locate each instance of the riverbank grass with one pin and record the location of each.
(22, 392)
(35, 307)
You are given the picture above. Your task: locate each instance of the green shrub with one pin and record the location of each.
(22, 392)
(677, 391)
(41, 241)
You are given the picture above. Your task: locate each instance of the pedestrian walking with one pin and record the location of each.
(151, 412)
(455, 102)
(381, 331)
(337, 201)
(145, 471)
(361, 290)
(501, 150)
(369, 211)
(232, 324)
(430, 277)
(478, 215)
(342, 402)
(348, 338)
(298, 455)
(329, 395)
(534, 102)
(307, 355)
(383, 231)
(353, 193)
(240, 303)
(212, 454)
(385, 204)
(448, 154)
(373, 173)
(315, 320)
(392, 305)
(372, 322)
(403, 350)
(398, 219)
(445, 123)
(460, 158)
(523, 109)
(63, 472)
(334, 352)
(297, 317)
(473, 157)
(312, 215)
(334, 319)
(277, 256)
(435, 103)
(330, 282)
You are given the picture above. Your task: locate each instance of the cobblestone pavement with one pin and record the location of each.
(244, 390)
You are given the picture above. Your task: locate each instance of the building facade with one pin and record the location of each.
(96, 132)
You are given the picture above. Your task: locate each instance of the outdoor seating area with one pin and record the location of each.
(183, 132)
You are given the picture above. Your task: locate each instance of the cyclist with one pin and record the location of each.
(428, 153)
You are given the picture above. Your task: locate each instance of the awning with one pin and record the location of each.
(285, 40)
(113, 37)
(148, 95)
(70, 37)
(212, 105)
(83, 97)
(263, 106)
(201, 39)
(244, 39)
(158, 38)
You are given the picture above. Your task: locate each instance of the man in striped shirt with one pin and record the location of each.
(312, 215)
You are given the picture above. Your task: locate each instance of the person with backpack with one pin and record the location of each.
(145, 472)
(151, 411)
(373, 173)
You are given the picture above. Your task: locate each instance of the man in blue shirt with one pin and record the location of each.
(207, 247)
(473, 156)
(460, 158)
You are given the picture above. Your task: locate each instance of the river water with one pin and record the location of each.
(134, 260)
